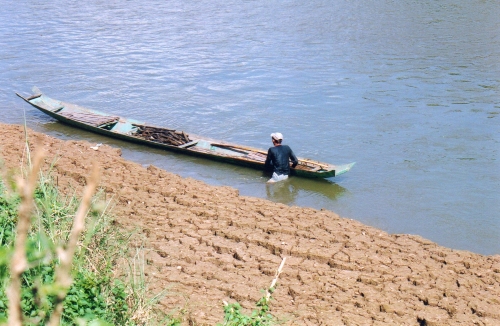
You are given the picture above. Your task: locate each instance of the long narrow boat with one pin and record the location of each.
(142, 133)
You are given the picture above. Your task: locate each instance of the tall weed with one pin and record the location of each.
(95, 294)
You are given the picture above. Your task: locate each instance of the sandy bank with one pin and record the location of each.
(209, 244)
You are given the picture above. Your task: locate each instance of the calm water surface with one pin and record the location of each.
(409, 90)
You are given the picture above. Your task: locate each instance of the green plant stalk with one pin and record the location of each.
(259, 317)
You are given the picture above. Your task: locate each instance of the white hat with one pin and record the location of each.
(277, 136)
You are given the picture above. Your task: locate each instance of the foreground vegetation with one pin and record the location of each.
(52, 272)
(93, 295)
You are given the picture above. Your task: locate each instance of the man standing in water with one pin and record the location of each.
(278, 159)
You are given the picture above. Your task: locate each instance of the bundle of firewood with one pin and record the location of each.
(162, 135)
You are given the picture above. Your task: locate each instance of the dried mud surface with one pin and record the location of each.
(208, 244)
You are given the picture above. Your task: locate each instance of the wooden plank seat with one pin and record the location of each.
(90, 119)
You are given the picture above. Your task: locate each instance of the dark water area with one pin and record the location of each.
(408, 90)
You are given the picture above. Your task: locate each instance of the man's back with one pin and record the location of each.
(278, 158)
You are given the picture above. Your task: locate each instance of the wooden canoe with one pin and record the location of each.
(142, 133)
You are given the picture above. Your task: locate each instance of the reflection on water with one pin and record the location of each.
(282, 192)
(287, 191)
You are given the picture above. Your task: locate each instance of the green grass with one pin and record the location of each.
(95, 296)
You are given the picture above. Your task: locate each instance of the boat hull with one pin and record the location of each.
(140, 133)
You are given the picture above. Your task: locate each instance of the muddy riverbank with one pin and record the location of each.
(208, 244)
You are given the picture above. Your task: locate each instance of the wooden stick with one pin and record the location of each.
(19, 261)
(273, 283)
(251, 149)
(164, 136)
(326, 166)
(256, 150)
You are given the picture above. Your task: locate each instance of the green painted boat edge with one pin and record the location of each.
(36, 100)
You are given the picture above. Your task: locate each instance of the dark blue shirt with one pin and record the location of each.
(278, 159)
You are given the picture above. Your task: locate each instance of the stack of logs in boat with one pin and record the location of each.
(162, 135)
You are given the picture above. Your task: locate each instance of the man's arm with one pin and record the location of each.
(267, 164)
(293, 158)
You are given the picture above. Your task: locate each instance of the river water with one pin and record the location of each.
(407, 89)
